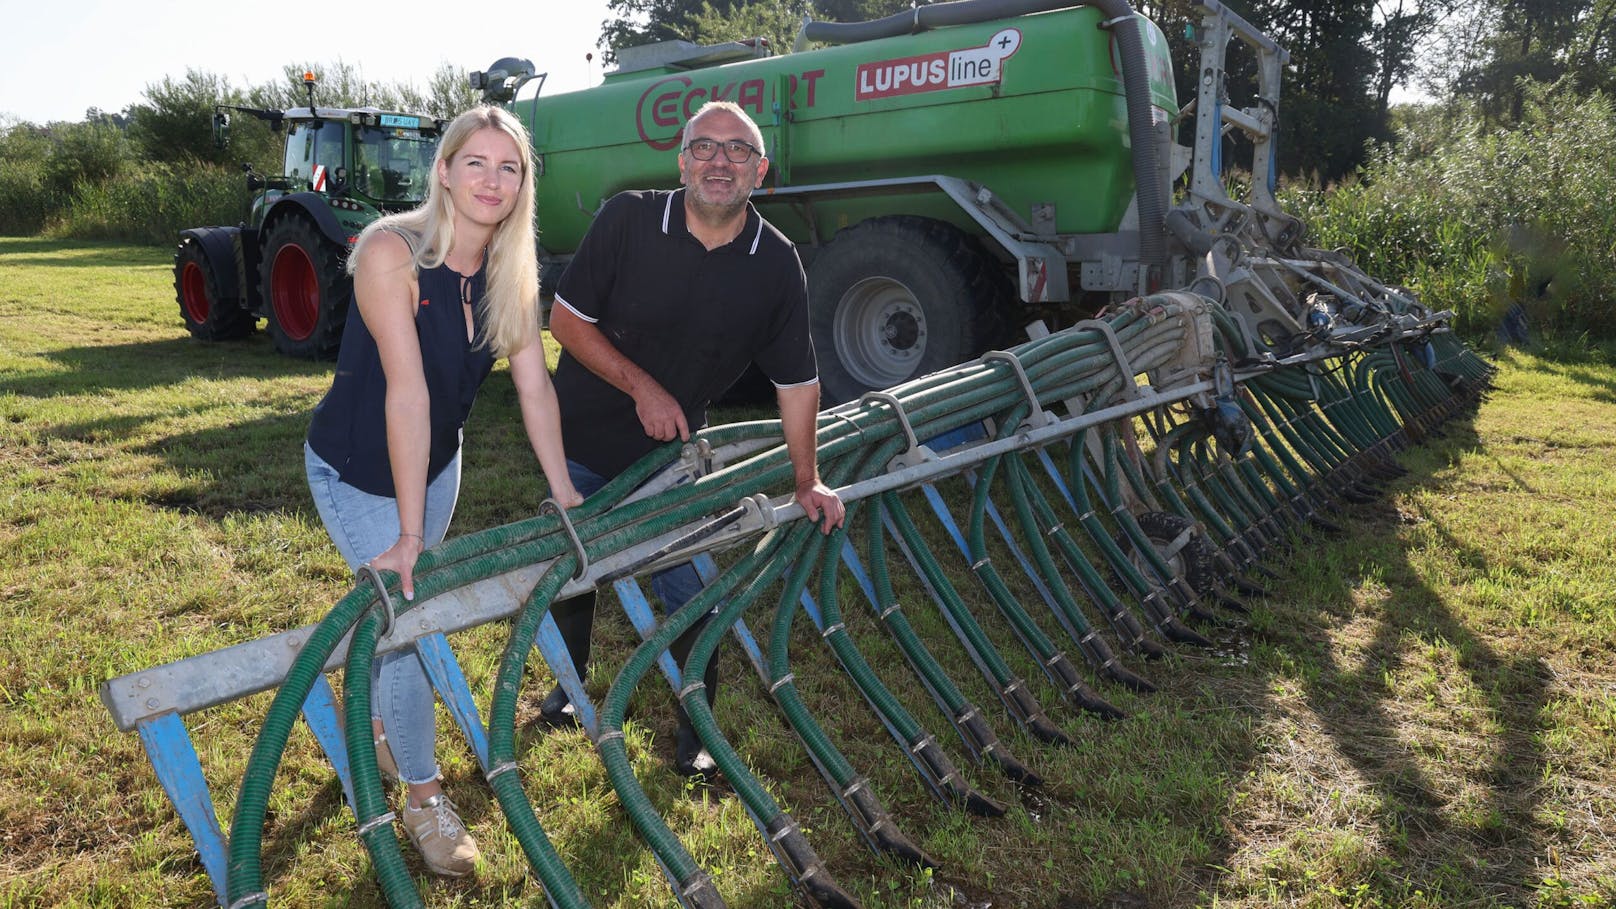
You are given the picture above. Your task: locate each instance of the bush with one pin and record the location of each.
(25, 205)
(1476, 219)
(153, 205)
(84, 153)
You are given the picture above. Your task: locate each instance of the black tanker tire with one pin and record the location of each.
(196, 289)
(307, 322)
(898, 297)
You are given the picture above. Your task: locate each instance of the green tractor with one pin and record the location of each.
(344, 168)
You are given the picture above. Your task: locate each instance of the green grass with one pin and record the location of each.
(1422, 713)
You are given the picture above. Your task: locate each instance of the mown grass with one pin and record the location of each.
(1422, 713)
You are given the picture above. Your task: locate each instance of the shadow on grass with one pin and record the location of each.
(143, 365)
(35, 251)
(1480, 851)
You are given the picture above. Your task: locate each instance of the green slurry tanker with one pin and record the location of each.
(939, 170)
(343, 168)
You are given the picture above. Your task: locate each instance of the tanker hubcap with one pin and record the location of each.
(880, 331)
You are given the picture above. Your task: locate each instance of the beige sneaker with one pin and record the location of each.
(444, 842)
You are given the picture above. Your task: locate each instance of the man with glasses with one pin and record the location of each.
(670, 296)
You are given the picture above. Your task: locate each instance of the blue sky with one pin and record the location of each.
(63, 56)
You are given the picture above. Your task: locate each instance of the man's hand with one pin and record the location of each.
(660, 414)
(818, 500)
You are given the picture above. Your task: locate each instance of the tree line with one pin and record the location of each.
(1514, 137)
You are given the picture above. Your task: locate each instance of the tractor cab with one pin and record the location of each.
(285, 262)
(383, 159)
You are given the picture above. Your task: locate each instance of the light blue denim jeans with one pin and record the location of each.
(674, 586)
(363, 526)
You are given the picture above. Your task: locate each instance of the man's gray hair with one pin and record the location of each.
(728, 107)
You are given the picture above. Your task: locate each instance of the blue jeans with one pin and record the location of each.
(363, 526)
(674, 586)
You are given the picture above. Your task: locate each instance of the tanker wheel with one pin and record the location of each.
(898, 297)
(306, 290)
(196, 287)
(1189, 555)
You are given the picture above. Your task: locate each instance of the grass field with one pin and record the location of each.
(1422, 712)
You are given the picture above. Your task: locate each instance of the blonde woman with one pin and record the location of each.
(441, 292)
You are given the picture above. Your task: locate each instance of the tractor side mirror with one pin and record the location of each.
(221, 129)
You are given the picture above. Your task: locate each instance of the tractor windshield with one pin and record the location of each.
(394, 165)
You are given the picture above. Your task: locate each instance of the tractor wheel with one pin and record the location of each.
(893, 298)
(1194, 559)
(196, 287)
(306, 290)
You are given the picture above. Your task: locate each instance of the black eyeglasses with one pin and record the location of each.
(735, 150)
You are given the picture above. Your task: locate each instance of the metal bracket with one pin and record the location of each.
(551, 506)
(890, 399)
(389, 618)
(1130, 389)
(1005, 356)
(696, 458)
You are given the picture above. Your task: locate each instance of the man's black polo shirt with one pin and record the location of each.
(691, 318)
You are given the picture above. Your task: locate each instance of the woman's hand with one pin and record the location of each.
(566, 496)
(400, 559)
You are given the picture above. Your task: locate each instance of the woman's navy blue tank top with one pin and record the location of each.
(349, 430)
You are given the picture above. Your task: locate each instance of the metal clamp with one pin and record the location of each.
(781, 682)
(380, 820)
(849, 421)
(890, 399)
(692, 688)
(696, 458)
(552, 506)
(499, 770)
(1129, 390)
(1112, 23)
(839, 626)
(1006, 356)
(368, 571)
(250, 899)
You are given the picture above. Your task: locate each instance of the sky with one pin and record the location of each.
(65, 56)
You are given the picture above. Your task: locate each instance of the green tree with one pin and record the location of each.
(1593, 54)
(175, 122)
(773, 20)
(713, 21)
(448, 92)
(1523, 41)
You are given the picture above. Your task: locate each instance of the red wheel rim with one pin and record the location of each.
(194, 293)
(294, 292)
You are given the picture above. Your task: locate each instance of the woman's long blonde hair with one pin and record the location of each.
(509, 308)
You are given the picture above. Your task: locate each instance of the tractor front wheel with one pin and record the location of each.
(306, 289)
(208, 317)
